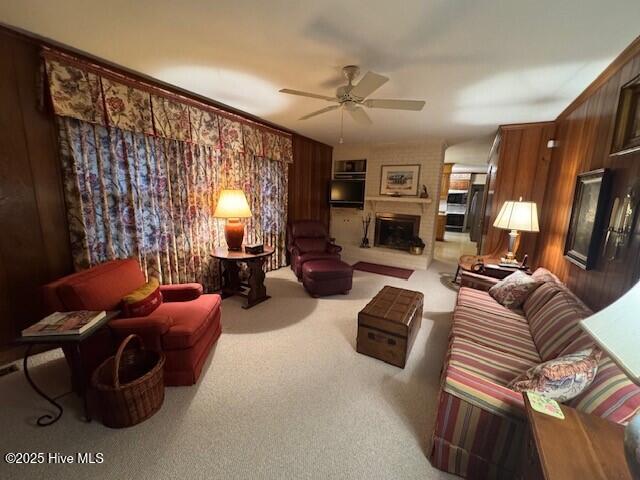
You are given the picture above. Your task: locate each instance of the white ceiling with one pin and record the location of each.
(477, 63)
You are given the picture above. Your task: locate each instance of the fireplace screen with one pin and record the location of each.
(396, 231)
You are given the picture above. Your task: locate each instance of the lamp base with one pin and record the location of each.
(234, 233)
(511, 257)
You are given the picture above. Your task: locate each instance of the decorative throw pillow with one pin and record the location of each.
(562, 378)
(514, 289)
(143, 300)
(543, 275)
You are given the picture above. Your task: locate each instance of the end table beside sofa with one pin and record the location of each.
(80, 375)
(580, 446)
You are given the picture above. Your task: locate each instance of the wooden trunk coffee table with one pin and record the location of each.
(388, 325)
(253, 289)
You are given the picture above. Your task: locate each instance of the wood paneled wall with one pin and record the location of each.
(584, 132)
(309, 178)
(34, 243)
(518, 167)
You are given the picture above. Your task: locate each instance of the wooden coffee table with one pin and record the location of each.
(253, 289)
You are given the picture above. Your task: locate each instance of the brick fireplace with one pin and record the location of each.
(394, 230)
(346, 223)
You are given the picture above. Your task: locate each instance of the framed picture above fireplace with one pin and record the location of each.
(400, 180)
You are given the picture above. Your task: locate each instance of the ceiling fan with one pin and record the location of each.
(352, 97)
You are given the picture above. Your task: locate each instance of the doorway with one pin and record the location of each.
(460, 212)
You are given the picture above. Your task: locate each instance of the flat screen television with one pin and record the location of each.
(347, 193)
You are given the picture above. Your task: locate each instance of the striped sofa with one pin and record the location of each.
(480, 425)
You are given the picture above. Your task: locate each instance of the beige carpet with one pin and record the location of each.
(284, 395)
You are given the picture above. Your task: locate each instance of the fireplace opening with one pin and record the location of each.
(394, 230)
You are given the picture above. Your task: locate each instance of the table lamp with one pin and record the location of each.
(616, 330)
(232, 205)
(516, 216)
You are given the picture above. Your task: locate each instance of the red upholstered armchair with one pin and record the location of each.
(309, 240)
(185, 326)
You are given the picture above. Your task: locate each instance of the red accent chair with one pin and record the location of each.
(185, 326)
(308, 240)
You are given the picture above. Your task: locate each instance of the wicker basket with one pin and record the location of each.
(129, 385)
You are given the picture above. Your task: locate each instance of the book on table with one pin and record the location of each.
(64, 323)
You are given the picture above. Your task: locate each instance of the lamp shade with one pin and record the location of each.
(232, 204)
(518, 215)
(616, 329)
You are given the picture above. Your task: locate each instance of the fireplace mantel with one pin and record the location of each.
(374, 200)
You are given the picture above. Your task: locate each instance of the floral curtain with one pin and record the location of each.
(87, 93)
(143, 170)
(135, 195)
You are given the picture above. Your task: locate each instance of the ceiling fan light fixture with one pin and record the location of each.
(353, 98)
(350, 105)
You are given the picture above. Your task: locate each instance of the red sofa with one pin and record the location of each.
(308, 240)
(185, 326)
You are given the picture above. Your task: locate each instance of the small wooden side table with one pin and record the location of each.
(79, 376)
(496, 271)
(253, 289)
(487, 266)
(580, 447)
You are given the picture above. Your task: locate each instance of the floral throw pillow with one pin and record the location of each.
(562, 378)
(543, 275)
(513, 290)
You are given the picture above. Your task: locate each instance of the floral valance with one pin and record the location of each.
(99, 97)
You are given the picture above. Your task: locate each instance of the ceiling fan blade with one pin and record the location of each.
(318, 112)
(307, 94)
(368, 84)
(415, 105)
(360, 116)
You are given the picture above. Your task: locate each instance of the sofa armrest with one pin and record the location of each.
(477, 281)
(150, 328)
(483, 393)
(180, 292)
